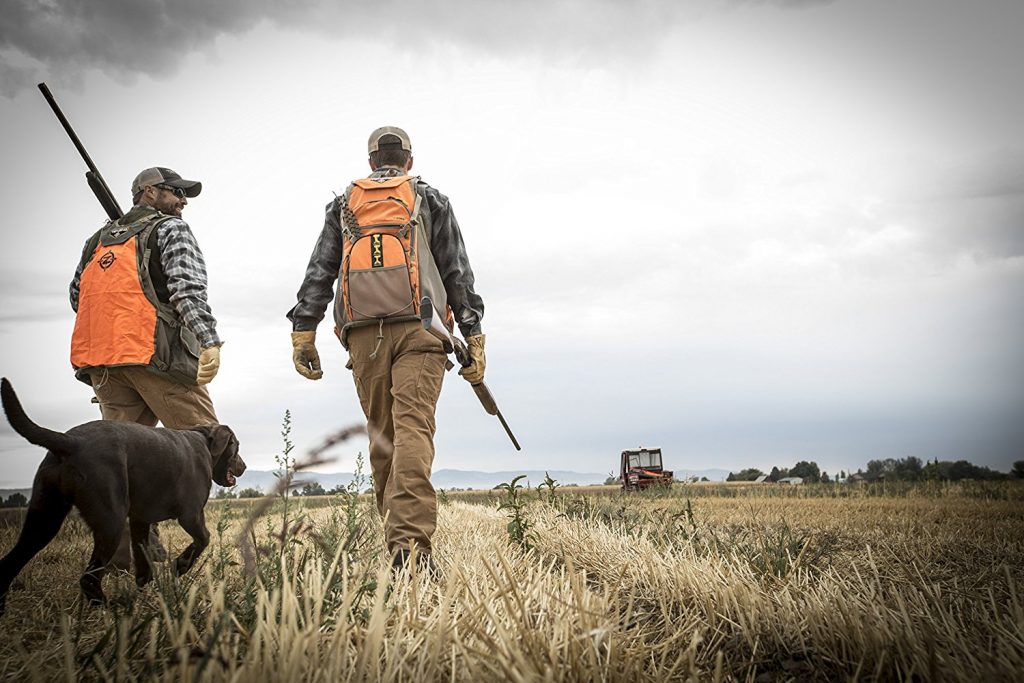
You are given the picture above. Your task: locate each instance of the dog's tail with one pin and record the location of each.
(59, 443)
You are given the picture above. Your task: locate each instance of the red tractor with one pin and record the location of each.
(641, 469)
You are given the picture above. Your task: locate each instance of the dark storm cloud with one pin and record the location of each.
(122, 37)
(127, 37)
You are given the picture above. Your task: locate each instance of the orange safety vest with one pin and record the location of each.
(386, 266)
(116, 321)
(121, 321)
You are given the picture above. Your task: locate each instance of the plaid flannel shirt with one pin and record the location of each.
(183, 263)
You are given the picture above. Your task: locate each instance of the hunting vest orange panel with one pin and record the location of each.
(116, 322)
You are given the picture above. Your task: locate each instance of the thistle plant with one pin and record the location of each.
(551, 485)
(519, 527)
(285, 463)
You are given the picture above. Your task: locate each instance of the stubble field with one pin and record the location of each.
(823, 582)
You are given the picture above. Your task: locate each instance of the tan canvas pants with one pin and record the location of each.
(134, 394)
(398, 370)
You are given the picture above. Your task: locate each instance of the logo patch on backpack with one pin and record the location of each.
(107, 260)
(376, 251)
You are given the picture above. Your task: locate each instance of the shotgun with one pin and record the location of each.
(433, 324)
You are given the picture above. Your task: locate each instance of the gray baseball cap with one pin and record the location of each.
(383, 132)
(158, 175)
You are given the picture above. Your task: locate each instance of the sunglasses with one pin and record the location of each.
(176, 191)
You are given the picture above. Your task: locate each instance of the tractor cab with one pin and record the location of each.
(642, 468)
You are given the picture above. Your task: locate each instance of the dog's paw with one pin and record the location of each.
(93, 590)
(96, 599)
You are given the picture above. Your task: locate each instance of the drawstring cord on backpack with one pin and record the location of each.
(380, 338)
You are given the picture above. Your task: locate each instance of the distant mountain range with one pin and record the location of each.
(463, 479)
(442, 479)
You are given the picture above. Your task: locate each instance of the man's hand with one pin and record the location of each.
(209, 364)
(474, 372)
(304, 355)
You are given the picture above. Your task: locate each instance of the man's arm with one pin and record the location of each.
(183, 263)
(449, 250)
(317, 288)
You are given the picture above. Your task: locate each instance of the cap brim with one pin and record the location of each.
(192, 187)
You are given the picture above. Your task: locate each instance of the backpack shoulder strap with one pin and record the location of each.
(420, 218)
(132, 223)
(151, 260)
(349, 224)
(414, 216)
(90, 246)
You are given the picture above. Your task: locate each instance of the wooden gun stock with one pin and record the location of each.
(453, 344)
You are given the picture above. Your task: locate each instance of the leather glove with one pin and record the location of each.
(304, 355)
(474, 372)
(209, 364)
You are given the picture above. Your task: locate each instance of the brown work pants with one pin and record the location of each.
(398, 369)
(135, 394)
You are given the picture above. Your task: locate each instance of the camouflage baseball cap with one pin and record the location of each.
(158, 175)
(379, 136)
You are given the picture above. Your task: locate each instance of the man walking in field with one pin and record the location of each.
(392, 242)
(145, 338)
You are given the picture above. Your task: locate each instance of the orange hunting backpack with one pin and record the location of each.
(386, 267)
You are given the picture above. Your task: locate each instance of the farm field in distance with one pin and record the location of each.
(701, 582)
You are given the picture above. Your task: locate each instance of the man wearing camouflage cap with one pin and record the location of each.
(145, 338)
(392, 243)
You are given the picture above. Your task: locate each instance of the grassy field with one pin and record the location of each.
(705, 582)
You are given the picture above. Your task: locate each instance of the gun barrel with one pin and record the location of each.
(452, 344)
(501, 418)
(95, 179)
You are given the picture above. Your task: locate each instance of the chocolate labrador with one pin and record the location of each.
(116, 470)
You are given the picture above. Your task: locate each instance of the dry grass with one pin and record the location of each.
(762, 586)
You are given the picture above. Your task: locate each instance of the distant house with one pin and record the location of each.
(792, 481)
(862, 478)
(762, 479)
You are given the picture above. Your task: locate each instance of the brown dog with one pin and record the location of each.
(116, 470)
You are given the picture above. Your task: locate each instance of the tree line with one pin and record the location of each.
(890, 469)
(313, 488)
(15, 500)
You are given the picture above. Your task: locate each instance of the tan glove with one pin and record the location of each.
(304, 355)
(474, 372)
(209, 364)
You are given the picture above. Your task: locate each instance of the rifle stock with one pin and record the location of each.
(96, 182)
(432, 324)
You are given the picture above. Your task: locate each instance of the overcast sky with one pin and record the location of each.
(749, 232)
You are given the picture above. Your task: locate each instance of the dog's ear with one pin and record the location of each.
(219, 440)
